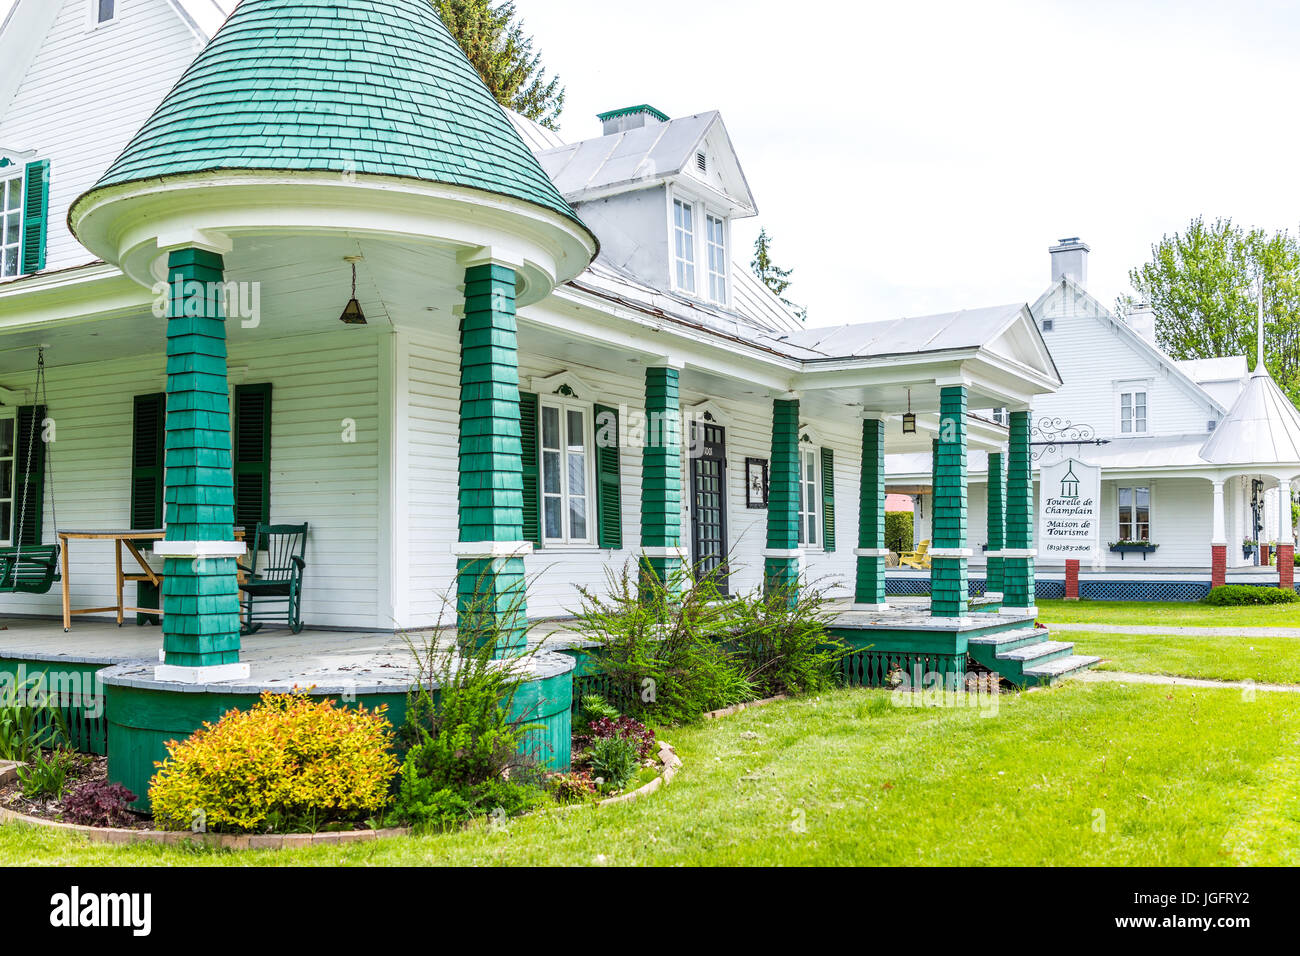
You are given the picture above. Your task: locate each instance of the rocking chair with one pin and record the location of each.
(277, 582)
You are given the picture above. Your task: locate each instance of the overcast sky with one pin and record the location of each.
(914, 157)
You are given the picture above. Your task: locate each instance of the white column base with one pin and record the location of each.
(215, 674)
(869, 607)
(871, 552)
(1021, 611)
(993, 595)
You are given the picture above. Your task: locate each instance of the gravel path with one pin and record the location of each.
(1182, 631)
(1122, 677)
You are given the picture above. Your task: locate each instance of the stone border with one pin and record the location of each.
(737, 708)
(671, 764)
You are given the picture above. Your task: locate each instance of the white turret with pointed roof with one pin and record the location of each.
(1262, 428)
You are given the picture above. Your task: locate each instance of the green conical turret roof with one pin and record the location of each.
(365, 86)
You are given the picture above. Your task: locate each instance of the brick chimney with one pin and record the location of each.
(1070, 258)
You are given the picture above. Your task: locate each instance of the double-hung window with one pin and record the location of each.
(1134, 513)
(8, 474)
(716, 233)
(1133, 411)
(684, 244)
(103, 11)
(566, 474)
(11, 222)
(809, 497)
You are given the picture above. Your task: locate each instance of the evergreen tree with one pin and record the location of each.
(772, 275)
(502, 52)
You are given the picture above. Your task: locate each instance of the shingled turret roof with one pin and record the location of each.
(351, 86)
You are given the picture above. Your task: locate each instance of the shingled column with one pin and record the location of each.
(200, 594)
(1018, 555)
(869, 590)
(997, 527)
(949, 597)
(491, 600)
(781, 558)
(661, 481)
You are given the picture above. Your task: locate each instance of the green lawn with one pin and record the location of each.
(1082, 774)
(1272, 660)
(1167, 614)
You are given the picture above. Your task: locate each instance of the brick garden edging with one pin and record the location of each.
(671, 764)
(737, 708)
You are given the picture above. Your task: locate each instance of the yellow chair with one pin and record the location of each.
(918, 559)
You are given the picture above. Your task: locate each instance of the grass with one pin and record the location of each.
(1167, 614)
(1271, 660)
(1083, 774)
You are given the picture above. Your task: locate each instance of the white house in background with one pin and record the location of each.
(1158, 428)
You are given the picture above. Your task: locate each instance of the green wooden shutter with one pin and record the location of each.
(147, 443)
(609, 497)
(30, 443)
(252, 455)
(828, 499)
(532, 480)
(36, 207)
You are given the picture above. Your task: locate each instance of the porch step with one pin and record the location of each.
(1028, 657)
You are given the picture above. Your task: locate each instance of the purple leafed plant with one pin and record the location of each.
(627, 728)
(99, 803)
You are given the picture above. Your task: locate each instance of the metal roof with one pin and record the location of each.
(969, 328)
(1262, 428)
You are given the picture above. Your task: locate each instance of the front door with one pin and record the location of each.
(708, 494)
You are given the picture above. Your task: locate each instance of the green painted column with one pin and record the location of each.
(491, 599)
(1018, 554)
(869, 589)
(996, 524)
(781, 558)
(200, 594)
(661, 480)
(949, 597)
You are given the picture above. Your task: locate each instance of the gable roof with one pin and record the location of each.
(636, 158)
(1143, 348)
(351, 86)
(1263, 428)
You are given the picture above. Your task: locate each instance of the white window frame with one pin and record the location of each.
(92, 14)
(10, 414)
(702, 273)
(723, 278)
(564, 405)
(10, 183)
(1131, 390)
(810, 517)
(1132, 509)
(682, 263)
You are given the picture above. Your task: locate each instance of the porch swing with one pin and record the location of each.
(31, 569)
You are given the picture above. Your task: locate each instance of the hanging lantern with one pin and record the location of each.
(352, 314)
(909, 420)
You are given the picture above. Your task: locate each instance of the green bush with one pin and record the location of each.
(1239, 595)
(899, 531)
(466, 755)
(614, 760)
(782, 642)
(45, 776)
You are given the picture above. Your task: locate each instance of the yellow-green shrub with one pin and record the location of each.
(289, 762)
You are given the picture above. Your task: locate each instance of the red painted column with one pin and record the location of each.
(1218, 565)
(1264, 555)
(1072, 579)
(1286, 566)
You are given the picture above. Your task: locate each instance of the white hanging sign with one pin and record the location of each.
(1069, 516)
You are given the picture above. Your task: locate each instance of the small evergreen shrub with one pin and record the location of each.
(98, 803)
(289, 763)
(614, 761)
(1240, 595)
(898, 531)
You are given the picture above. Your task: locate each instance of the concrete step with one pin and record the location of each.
(1010, 640)
(1055, 670)
(1036, 654)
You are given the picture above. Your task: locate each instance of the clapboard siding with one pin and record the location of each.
(318, 381)
(85, 95)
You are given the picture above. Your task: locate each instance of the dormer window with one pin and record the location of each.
(684, 244)
(11, 220)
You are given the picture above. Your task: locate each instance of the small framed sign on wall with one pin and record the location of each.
(756, 482)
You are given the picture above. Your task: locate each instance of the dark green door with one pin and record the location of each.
(708, 495)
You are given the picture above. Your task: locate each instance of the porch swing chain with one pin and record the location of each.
(41, 399)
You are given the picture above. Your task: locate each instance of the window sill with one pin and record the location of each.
(546, 549)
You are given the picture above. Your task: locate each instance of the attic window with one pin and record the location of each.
(702, 162)
(1047, 324)
(104, 10)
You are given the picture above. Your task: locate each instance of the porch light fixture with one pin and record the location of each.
(909, 420)
(352, 314)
